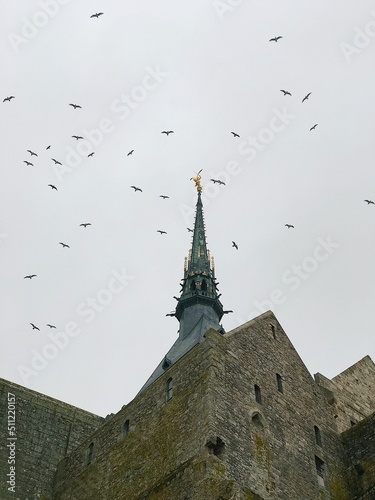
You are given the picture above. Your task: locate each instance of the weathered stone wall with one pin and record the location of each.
(270, 447)
(44, 431)
(352, 393)
(163, 436)
(359, 442)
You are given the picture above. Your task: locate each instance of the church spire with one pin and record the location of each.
(198, 307)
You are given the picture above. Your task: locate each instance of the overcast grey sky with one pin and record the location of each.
(202, 69)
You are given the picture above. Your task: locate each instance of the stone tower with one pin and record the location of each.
(224, 416)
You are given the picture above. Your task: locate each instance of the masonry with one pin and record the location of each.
(224, 416)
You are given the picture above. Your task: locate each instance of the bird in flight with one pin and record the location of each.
(85, 224)
(164, 196)
(161, 232)
(90, 155)
(77, 137)
(275, 38)
(217, 181)
(34, 327)
(313, 127)
(51, 326)
(130, 152)
(8, 98)
(285, 92)
(370, 202)
(167, 132)
(235, 134)
(306, 97)
(234, 244)
(31, 152)
(48, 147)
(97, 14)
(52, 186)
(28, 163)
(75, 106)
(190, 230)
(136, 189)
(56, 162)
(30, 276)
(64, 245)
(289, 226)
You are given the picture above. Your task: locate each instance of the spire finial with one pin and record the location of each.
(197, 180)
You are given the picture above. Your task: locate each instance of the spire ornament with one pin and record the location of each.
(197, 180)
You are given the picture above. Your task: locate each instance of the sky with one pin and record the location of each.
(202, 69)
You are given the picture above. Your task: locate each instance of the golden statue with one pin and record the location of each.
(197, 180)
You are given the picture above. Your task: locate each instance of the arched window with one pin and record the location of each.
(126, 428)
(90, 453)
(169, 389)
(193, 285)
(204, 286)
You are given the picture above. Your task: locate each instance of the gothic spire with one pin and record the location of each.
(198, 307)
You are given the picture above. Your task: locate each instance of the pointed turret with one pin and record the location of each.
(198, 307)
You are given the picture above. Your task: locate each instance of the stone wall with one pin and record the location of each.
(359, 442)
(271, 445)
(45, 430)
(352, 393)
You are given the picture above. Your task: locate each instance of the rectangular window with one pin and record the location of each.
(279, 382)
(318, 437)
(258, 397)
(319, 464)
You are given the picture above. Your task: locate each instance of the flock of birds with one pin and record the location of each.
(136, 188)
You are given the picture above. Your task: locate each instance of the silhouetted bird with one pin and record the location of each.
(90, 155)
(85, 224)
(275, 38)
(313, 127)
(217, 181)
(97, 14)
(75, 106)
(306, 97)
(8, 98)
(235, 134)
(56, 162)
(51, 326)
(64, 245)
(28, 163)
(163, 196)
(190, 230)
(161, 232)
(130, 152)
(52, 186)
(31, 152)
(30, 276)
(77, 137)
(234, 244)
(34, 327)
(285, 92)
(136, 189)
(48, 147)
(370, 202)
(167, 132)
(289, 226)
